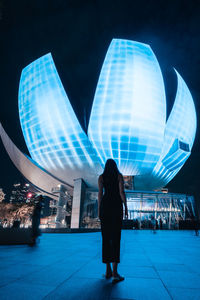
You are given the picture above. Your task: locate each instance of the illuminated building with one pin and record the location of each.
(21, 193)
(172, 208)
(127, 123)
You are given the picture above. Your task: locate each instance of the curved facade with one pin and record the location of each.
(51, 130)
(30, 170)
(130, 106)
(179, 137)
(127, 123)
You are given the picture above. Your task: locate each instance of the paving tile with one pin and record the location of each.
(91, 270)
(135, 271)
(172, 267)
(4, 280)
(23, 291)
(82, 288)
(180, 279)
(195, 269)
(184, 294)
(5, 262)
(45, 261)
(164, 259)
(140, 289)
(75, 261)
(69, 266)
(51, 275)
(136, 262)
(19, 270)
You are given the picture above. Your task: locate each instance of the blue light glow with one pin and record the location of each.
(127, 122)
(52, 132)
(178, 140)
(181, 126)
(129, 111)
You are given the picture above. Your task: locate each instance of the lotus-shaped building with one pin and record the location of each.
(127, 122)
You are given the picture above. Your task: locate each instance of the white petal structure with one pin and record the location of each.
(30, 170)
(127, 122)
(129, 111)
(51, 130)
(178, 140)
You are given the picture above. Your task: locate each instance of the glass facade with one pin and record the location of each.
(168, 209)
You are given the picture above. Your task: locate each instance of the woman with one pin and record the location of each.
(111, 215)
(36, 218)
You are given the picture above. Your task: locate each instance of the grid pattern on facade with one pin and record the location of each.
(180, 127)
(127, 122)
(129, 110)
(52, 132)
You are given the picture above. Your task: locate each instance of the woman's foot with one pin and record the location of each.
(108, 275)
(108, 271)
(117, 278)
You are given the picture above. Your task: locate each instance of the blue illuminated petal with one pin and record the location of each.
(178, 140)
(51, 130)
(129, 111)
(127, 120)
(181, 125)
(182, 120)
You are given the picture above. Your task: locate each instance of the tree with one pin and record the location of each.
(2, 195)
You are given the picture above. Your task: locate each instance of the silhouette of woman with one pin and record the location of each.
(36, 219)
(110, 198)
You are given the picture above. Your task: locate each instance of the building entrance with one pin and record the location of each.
(167, 209)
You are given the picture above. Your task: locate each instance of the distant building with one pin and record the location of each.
(19, 193)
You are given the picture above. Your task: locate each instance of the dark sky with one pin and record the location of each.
(78, 33)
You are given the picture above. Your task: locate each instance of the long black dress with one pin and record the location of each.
(36, 220)
(111, 215)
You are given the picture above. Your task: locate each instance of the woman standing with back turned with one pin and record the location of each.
(111, 215)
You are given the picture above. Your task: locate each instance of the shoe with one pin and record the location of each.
(117, 278)
(107, 276)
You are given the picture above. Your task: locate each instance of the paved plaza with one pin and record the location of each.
(165, 265)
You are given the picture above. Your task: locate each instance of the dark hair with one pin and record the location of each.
(110, 169)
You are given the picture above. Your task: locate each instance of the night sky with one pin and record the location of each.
(78, 34)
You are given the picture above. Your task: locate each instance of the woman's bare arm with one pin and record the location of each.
(122, 193)
(100, 193)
